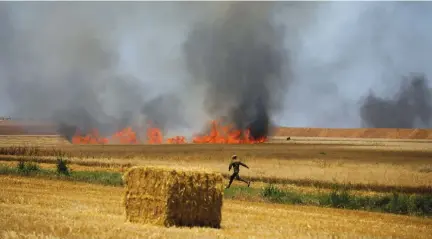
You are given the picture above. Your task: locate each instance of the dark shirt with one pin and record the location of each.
(236, 166)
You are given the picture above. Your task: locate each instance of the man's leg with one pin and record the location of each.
(240, 179)
(231, 179)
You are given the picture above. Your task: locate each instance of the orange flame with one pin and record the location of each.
(217, 135)
(92, 138)
(126, 136)
(154, 136)
(226, 135)
(177, 140)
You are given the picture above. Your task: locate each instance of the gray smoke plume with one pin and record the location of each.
(107, 65)
(61, 62)
(160, 112)
(410, 107)
(239, 60)
(57, 70)
(349, 49)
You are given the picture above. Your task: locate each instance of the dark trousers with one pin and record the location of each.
(235, 175)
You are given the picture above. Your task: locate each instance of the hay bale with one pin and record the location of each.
(173, 197)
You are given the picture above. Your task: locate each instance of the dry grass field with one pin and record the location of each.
(37, 208)
(274, 162)
(363, 133)
(40, 208)
(33, 140)
(257, 184)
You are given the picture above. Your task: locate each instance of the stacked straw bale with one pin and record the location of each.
(173, 196)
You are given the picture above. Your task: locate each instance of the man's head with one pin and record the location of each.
(234, 157)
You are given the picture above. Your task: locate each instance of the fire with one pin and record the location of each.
(226, 135)
(154, 136)
(177, 140)
(92, 138)
(218, 135)
(126, 136)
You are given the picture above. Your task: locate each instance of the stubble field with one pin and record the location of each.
(49, 208)
(36, 208)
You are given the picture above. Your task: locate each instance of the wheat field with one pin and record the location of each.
(37, 208)
(377, 176)
(298, 163)
(42, 208)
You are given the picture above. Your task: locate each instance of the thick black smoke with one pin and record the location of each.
(410, 107)
(240, 59)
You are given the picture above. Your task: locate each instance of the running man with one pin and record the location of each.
(236, 165)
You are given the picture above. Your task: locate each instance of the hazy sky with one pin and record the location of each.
(350, 49)
(337, 53)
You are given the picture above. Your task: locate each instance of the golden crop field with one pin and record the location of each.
(41, 140)
(256, 184)
(42, 208)
(296, 162)
(37, 208)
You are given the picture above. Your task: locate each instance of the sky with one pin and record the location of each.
(337, 53)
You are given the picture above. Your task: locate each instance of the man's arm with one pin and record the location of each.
(244, 165)
(230, 166)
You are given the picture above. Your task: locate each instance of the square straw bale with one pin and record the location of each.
(173, 196)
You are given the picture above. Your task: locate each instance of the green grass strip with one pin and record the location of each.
(396, 202)
(94, 177)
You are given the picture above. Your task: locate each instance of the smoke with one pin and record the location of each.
(160, 111)
(66, 63)
(410, 107)
(57, 71)
(348, 49)
(108, 65)
(239, 60)
(6, 31)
